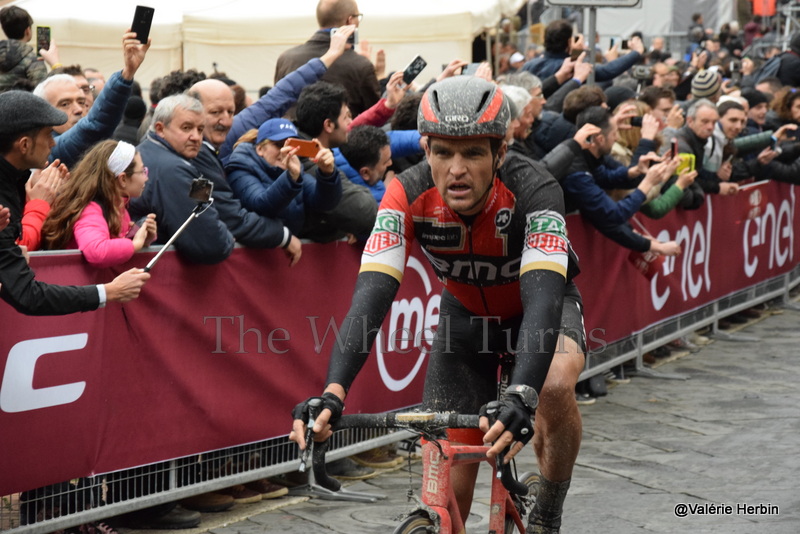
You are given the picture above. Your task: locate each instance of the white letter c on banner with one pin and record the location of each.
(17, 393)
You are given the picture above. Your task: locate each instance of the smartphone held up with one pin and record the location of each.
(413, 69)
(142, 21)
(42, 38)
(352, 40)
(305, 149)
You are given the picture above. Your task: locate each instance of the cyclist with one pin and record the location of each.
(494, 232)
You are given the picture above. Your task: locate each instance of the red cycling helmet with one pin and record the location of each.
(463, 107)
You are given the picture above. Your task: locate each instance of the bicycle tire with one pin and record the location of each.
(415, 524)
(532, 480)
(509, 527)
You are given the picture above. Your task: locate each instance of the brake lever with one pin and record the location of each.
(313, 412)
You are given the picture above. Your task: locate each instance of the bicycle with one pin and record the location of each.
(437, 511)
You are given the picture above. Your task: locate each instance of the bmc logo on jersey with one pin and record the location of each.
(386, 234)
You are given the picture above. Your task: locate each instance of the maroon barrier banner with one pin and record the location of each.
(728, 244)
(215, 356)
(208, 357)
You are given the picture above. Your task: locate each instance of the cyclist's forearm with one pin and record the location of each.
(542, 295)
(372, 298)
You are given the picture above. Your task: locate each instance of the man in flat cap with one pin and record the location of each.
(26, 137)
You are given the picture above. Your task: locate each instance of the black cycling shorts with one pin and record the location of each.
(463, 367)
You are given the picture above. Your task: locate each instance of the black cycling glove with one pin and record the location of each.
(514, 415)
(327, 400)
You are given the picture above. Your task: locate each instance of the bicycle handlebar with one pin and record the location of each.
(422, 422)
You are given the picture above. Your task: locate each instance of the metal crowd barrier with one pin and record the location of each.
(79, 501)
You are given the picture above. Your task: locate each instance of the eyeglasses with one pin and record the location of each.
(144, 170)
(359, 16)
(87, 88)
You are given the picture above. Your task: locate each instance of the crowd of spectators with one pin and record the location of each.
(87, 164)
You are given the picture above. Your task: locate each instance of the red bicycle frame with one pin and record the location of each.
(437, 491)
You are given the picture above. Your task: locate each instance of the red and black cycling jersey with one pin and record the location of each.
(521, 228)
(512, 259)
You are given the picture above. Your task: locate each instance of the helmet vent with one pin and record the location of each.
(435, 100)
(483, 101)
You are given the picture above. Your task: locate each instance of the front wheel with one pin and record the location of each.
(415, 524)
(524, 504)
(532, 480)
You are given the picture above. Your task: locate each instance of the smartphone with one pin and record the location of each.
(636, 122)
(42, 38)
(576, 38)
(352, 40)
(611, 45)
(625, 44)
(470, 69)
(575, 54)
(142, 20)
(201, 189)
(674, 150)
(413, 69)
(687, 163)
(306, 149)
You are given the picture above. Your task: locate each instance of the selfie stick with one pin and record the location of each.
(196, 212)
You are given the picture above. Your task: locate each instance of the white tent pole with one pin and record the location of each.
(590, 52)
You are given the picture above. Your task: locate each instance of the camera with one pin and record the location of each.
(201, 189)
(642, 72)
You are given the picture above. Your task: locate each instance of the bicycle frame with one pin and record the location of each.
(437, 503)
(439, 496)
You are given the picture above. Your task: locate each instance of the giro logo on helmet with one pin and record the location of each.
(456, 118)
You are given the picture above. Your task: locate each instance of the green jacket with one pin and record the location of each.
(18, 62)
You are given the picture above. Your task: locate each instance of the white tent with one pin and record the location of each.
(89, 32)
(245, 37)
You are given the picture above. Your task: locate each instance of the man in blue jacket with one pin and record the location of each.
(367, 155)
(558, 44)
(593, 172)
(81, 132)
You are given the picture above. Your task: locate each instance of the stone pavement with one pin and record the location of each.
(729, 435)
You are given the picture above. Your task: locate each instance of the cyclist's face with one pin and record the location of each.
(463, 171)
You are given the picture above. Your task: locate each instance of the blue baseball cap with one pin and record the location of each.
(276, 130)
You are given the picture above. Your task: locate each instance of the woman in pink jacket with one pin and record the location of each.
(90, 211)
